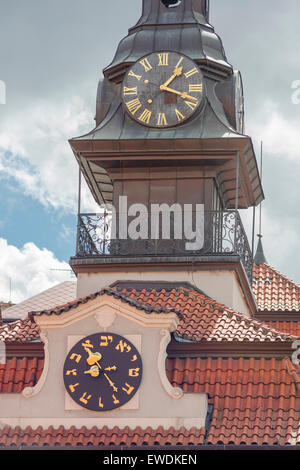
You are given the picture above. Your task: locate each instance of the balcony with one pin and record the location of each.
(223, 236)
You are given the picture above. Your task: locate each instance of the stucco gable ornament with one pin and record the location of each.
(105, 319)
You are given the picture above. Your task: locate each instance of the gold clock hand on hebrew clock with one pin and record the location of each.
(93, 371)
(110, 383)
(111, 368)
(107, 378)
(93, 357)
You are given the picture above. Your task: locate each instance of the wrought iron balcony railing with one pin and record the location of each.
(223, 235)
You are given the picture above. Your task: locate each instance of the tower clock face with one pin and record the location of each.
(163, 89)
(239, 102)
(102, 372)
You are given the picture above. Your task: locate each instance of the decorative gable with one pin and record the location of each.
(156, 402)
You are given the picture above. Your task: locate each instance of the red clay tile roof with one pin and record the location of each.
(100, 437)
(256, 401)
(20, 331)
(204, 319)
(289, 327)
(273, 291)
(17, 374)
(201, 318)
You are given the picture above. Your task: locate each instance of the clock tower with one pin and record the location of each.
(168, 162)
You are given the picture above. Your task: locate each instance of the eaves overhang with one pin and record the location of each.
(97, 156)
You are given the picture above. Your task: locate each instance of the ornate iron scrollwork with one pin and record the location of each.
(224, 235)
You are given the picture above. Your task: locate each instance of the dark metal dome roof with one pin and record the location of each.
(183, 28)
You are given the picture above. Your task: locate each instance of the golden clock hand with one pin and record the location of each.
(110, 383)
(107, 378)
(183, 94)
(93, 371)
(93, 357)
(177, 72)
(110, 368)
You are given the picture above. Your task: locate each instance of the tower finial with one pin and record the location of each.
(259, 257)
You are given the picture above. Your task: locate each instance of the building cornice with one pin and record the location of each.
(229, 349)
(181, 349)
(277, 316)
(24, 349)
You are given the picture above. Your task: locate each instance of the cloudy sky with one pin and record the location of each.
(51, 58)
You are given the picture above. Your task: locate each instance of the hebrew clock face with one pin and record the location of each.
(102, 372)
(163, 89)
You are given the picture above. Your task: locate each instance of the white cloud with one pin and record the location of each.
(30, 269)
(279, 133)
(281, 170)
(35, 152)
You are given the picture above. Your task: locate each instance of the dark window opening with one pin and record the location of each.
(171, 3)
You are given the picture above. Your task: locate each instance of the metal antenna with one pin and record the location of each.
(261, 177)
(259, 257)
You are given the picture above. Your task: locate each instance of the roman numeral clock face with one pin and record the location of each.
(102, 372)
(163, 90)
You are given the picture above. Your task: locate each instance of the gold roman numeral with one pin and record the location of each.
(192, 104)
(161, 120)
(145, 116)
(180, 116)
(196, 88)
(191, 72)
(146, 64)
(132, 74)
(130, 91)
(163, 59)
(134, 105)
